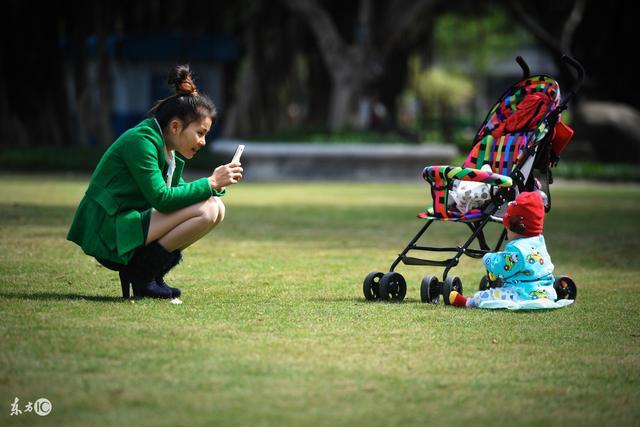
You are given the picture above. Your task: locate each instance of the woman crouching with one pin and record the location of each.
(138, 214)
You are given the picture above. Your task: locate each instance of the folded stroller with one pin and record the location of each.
(513, 151)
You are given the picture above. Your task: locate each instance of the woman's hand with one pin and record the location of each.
(225, 175)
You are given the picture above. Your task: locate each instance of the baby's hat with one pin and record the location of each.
(530, 207)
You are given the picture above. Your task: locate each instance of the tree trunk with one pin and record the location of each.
(355, 67)
(340, 107)
(241, 120)
(258, 106)
(80, 65)
(350, 67)
(556, 45)
(103, 129)
(319, 96)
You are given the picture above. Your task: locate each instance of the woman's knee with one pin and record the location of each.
(221, 209)
(213, 211)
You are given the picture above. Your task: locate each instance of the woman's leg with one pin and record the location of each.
(181, 228)
(215, 220)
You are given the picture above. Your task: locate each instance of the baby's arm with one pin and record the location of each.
(501, 265)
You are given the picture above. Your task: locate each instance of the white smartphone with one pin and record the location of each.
(238, 153)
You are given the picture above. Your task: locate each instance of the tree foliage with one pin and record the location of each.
(318, 57)
(478, 37)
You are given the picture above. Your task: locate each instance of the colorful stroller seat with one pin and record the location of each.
(523, 132)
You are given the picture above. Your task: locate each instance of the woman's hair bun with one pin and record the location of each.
(187, 104)
(182, 80)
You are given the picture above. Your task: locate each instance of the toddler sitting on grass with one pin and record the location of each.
(521, 276)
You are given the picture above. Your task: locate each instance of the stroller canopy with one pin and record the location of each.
(522, 107)
(515, 122)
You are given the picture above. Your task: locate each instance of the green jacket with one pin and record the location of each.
(129, 179)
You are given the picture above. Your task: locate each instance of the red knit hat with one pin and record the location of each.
(530, 208)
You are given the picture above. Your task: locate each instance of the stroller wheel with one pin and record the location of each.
(371, 285)
(429, 289)
(565, 288)
(451, 283)
(392, 287)
(484, 283)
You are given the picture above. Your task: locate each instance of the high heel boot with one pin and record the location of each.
(175, 259)
(141, 271)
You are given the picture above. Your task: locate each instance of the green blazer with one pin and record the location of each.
(129, 179)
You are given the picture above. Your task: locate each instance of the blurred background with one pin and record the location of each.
(323, 77)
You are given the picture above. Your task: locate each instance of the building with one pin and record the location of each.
(137, 69)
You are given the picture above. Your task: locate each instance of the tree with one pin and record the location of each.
(554, 29)
(269, 48)
(33, 102)
(357, 64)
(49, 95)
(598, 35)
(444, 91)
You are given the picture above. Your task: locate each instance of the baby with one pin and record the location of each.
(524, 268)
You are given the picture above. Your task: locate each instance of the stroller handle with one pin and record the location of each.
(571, 62)
(525, 67)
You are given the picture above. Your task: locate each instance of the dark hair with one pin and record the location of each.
(187, 104)
(516, 224)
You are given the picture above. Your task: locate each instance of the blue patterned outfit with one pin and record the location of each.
(526, 272)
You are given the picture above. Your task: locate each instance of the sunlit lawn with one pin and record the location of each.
(274, 329)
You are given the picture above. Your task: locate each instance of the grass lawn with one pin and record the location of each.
(274, 329)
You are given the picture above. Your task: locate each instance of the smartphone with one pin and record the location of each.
(238, 153)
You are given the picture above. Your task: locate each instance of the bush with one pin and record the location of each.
(606, 172)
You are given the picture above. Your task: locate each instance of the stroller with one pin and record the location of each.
(523, 133)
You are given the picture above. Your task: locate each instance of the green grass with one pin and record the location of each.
(274, 329)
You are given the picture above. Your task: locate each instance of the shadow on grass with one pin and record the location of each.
(49, 296)
(362, 300)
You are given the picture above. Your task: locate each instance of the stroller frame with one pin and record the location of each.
(392, 286)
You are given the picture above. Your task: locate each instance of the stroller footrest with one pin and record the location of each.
(419, 261)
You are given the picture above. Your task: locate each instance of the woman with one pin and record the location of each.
(138, 214)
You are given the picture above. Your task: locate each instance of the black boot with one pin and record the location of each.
(176, 257)
(120, 268)
(141, 271)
